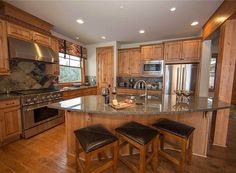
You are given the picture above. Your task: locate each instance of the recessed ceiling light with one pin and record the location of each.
(77, 38)
(173, 9)
(80, 21)
(103, 37)
(141, 31)
(121, 6)
(194, 23)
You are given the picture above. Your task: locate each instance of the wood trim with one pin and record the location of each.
(14, 12)
(224, 78)
(224, 12)
(194, 38)
(131, 48)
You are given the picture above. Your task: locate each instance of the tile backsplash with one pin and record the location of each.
(26, 75)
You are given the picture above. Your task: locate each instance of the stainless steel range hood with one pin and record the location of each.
(19, 49)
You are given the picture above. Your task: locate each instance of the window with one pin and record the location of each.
(70, 68)
(212, 72)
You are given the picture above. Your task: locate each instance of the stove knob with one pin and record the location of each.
(35, 99)
(48, 97)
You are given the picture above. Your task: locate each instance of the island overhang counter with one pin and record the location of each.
(196, 111)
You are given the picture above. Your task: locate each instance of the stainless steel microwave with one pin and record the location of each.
(152, 68)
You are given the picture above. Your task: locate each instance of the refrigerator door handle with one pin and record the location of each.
(178, 79)
(183, 79)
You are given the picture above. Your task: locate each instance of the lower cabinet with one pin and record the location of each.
(10, 121)
(70, 94)
(137, 91)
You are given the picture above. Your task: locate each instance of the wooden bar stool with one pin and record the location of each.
(182, 133)
(139, 137)
(92, 141)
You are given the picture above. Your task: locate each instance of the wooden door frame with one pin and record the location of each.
(97, 61)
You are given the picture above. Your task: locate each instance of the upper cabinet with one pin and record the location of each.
(152, 52)
(4, 63)
(26, 34)
(173, 51)
(42, 39)
(191, 50)
(129, 62)
(187, 50)
(19, 32)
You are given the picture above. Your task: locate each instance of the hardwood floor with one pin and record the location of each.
(46, 153)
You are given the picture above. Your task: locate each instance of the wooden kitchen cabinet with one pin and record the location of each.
(152, 52)
(4, 63)
(129, 62)
(183, 51)
(134, 62)
(26, 34)
(191, 50)
(70, 94)
(10, 121)
(173, 51)
(42, 39)
(123, 62)
(19, 32)
(137, 91)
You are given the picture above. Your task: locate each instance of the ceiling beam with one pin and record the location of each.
(226, 11)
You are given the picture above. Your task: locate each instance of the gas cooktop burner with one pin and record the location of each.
(34, 91)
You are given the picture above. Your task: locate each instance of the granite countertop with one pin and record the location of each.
(8, 97)
(166, 104)
(77, 87)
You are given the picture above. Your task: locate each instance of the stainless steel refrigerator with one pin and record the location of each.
(180, 77)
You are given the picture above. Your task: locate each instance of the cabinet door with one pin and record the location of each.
(191, 50)
(123, 62)
(54, 45)
(172, 51)
(11, 122)
(19, 32)
(4, 64)
(157, 52)
(42, 39)
(146, 52)
(134, 62)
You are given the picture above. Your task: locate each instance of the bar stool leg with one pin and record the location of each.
(162, 142)
(115, 156)
(87, 163)
(142, 162)
(155, 147)
(190, 149)
(131, 150)
(183, 156)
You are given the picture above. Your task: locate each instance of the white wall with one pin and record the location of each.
(205, 68)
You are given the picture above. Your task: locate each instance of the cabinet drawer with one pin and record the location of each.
(9, 103)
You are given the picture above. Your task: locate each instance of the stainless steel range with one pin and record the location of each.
(36, 116)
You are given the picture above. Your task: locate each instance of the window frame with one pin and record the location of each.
(214, 55)
(82, 67)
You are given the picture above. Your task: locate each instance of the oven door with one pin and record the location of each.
(152, 68)
(36, 116)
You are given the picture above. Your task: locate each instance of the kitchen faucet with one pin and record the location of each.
(145, 84)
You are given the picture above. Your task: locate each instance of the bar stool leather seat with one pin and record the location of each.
(176, 128)
(94, 137)
(137, 132)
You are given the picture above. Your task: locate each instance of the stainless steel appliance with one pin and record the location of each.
(36, 116)
(19, 49)
(180, 77)
(152, 68)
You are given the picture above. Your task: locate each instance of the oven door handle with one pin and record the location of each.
(36, 107)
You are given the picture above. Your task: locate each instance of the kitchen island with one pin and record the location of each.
(197, 112)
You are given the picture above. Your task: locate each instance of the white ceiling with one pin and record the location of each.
(106, 18)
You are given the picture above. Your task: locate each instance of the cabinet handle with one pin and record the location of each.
(12, 103)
